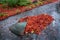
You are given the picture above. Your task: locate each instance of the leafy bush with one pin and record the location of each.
(13, 3)
(23, 2)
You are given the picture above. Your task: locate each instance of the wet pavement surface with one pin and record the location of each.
(51, 33)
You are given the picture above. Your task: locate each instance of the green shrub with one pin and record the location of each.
(13, 3)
